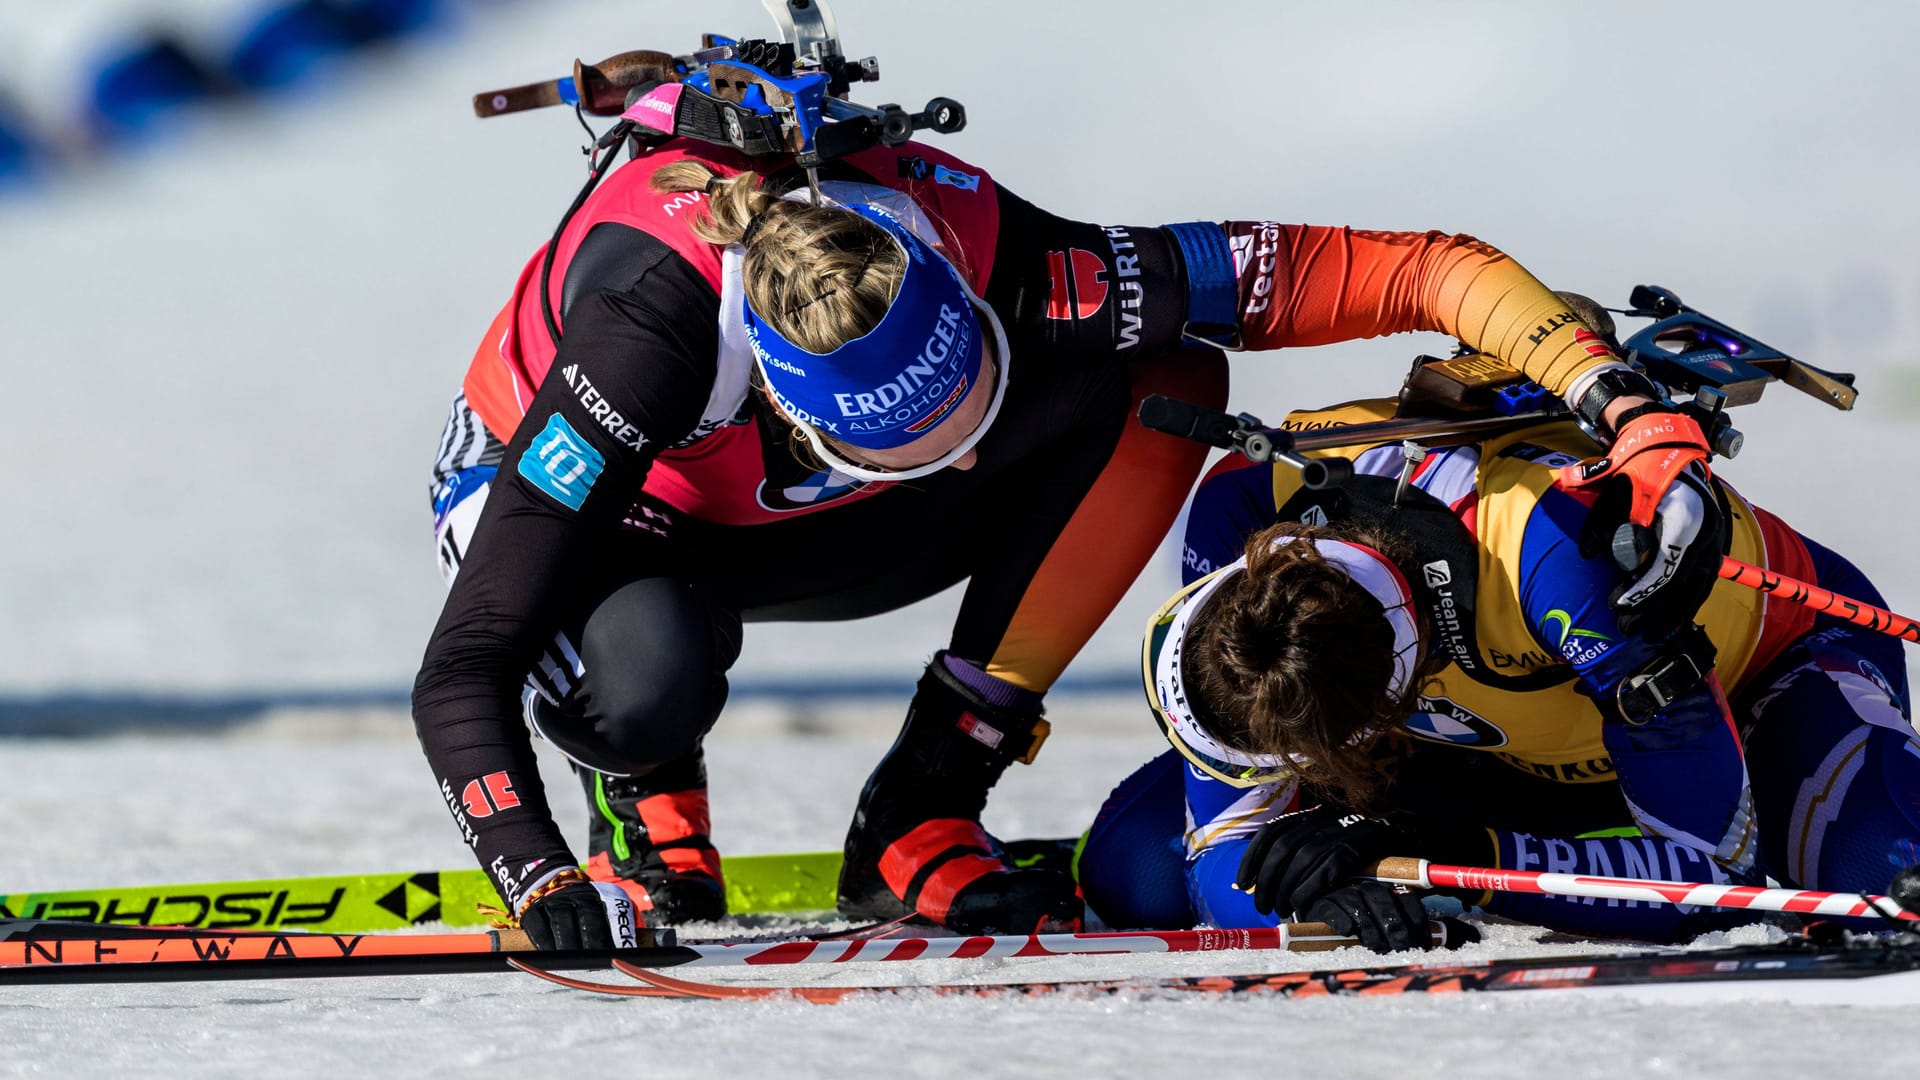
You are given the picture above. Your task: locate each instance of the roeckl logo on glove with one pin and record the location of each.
(621, 921)
(1670, 564)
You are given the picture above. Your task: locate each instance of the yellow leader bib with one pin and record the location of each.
(1521, 703)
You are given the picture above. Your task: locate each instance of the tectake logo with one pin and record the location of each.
(1242, 249)
(1077, 284)
(1261, 249)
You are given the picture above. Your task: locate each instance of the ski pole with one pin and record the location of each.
(1287, 937)
(1858, 612)
(192, 956)
(28, 943)
(1425, 875)
(72, 945)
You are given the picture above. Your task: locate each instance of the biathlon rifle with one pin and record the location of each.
(1696, 359)
(756, 96)
(785, 99)
(1474, 396)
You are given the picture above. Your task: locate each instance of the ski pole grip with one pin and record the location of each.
(1399, 870)
(1444, 933)
(512, 939)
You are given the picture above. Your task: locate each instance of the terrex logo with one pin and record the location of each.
(603, 413)
(1078, 285)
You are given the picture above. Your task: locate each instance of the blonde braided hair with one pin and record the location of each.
(819, 276)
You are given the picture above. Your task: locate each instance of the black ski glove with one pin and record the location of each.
(1298, 858)
(581, 914)
(1386, 918)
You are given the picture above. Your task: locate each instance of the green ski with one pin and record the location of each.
(369, 903)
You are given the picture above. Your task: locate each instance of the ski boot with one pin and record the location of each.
(648, 835)
(917, 847)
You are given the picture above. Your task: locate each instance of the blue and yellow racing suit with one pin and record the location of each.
(1795, 759)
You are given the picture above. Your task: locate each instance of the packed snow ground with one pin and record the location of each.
(134, 810)
(228, 361)
(232, 356)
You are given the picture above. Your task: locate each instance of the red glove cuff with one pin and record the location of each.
(1651, 451)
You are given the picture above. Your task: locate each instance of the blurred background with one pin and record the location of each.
(247, 248)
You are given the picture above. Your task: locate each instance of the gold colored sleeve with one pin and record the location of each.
(1337, 284)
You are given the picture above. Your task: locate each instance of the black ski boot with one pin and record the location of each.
(648, 835)
(916, 846)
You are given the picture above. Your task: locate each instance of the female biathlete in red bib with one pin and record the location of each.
(748, 406)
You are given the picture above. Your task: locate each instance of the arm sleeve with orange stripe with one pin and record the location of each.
(1314, 285)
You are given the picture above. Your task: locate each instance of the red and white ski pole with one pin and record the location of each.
(1288, 937)
(43, 951)
(1858, 612)
(1425, 875)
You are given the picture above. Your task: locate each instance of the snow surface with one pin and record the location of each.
(134, 810)
(227, 361)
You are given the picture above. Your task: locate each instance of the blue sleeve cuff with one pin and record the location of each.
(1212, 284)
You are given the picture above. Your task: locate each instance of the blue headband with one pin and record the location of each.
(895, 383)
